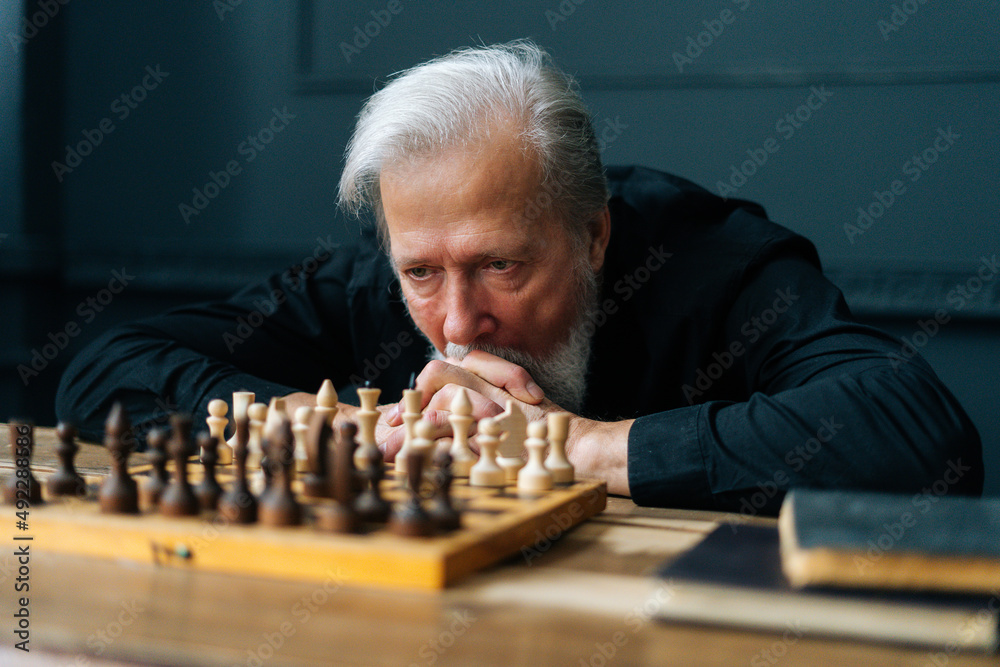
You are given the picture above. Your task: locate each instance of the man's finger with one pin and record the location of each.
(502, 373)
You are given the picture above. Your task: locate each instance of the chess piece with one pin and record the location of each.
(22, 445)
(412, 402)
(367, 418)
(65, 481)
(242, 400)
(340, 516)
(154, 485)
(515, 425)
(463, 458)
(423, 441)
(257, 414)
(300, 432)
(316, 482)
(278, 506)
(557, 463)
(326, 401)
(443, 514)
(534, 477)
(370, 505)
(238, 504)
(408, 518)
(217, 409)
(208, 490)
(119, 493)
(178, 499)
(486, 472)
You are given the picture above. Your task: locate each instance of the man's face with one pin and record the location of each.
(473, 269)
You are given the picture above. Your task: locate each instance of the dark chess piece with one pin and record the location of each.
(154, 485)
(316, 482)
(370, 505)
(408, 517)
(340, 517)
(66, 481)
(208, 490)
(119, 493)
(278, 506)
(178, 499)
(22, 446)
(238, 504)
(444, 516)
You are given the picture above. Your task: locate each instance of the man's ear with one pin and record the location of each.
(600, 234)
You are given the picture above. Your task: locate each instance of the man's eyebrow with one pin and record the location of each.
(523, 251)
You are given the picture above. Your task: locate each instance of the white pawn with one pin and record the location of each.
(462, 458)
(300, 431)
(412, 398)
(326, 401)
(486, 472)
(562, 470)
(534, 476)
(217, 409)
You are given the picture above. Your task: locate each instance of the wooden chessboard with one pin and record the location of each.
(496, 524)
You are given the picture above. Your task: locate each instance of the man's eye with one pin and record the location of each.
(418, 272)
(500, 264)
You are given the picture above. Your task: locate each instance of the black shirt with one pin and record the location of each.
(716, 329)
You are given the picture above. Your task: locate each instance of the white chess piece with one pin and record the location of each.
(486, 472)
(412, 400)
(515, 425)
(534, 476)
(557, 463)
(462, 458)
(367, 420)
(217, 409)
(300, 431)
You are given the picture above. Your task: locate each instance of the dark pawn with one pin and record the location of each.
(208, 490)
(370, 505)
(65, 481)
(178, 499)
(154, 485)
(408, 518)
(443, 514)
(238, 504)
(340, 517)
(316, 482)
(279, 507)
(119, 494)
(21, 439)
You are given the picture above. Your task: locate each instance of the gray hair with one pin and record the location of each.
(454, 101)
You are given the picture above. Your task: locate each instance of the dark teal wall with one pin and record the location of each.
(886, 95)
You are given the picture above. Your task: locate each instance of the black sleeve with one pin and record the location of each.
(284, 334)
(829, 403)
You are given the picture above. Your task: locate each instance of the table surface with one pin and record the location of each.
(583, 601)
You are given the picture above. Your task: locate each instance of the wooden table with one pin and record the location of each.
(583, 601)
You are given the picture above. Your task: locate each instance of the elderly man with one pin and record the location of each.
(705, 357)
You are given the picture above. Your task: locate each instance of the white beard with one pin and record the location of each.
(562, 374)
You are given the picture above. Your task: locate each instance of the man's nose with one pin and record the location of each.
(468, 316)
